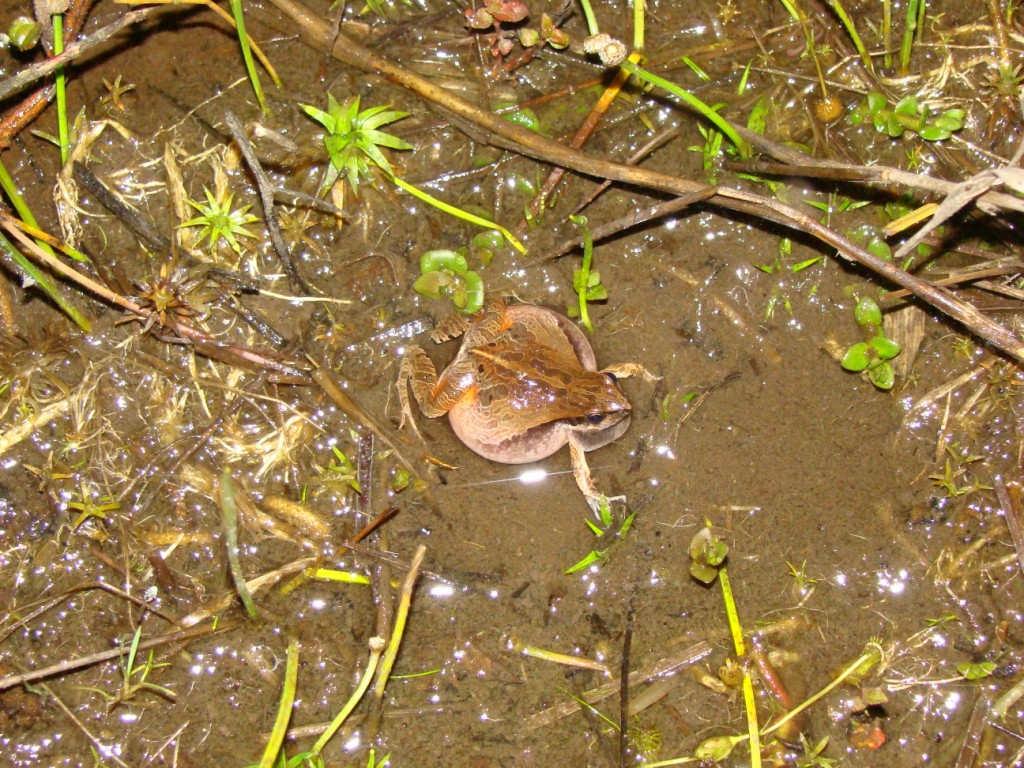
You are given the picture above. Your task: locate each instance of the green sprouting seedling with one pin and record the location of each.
(340, 471)
(813, 756)
(707, 553)
(955, 466)
(445, 274)
(908, 114)
(836, 204)
(586, 281)
(134, 679)
(90, 506)
(710, 150)
(218, 221)
(606, 532)
(353, 139)
(872, 356)
(23, 34)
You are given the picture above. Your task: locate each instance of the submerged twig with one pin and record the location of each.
(266, 190)
(139, 224)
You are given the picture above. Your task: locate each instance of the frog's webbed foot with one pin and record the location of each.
(451, 327)
(597, 501)
(627, 370)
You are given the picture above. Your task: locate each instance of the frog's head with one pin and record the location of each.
(606, 411)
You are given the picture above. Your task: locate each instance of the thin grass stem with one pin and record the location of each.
(851, 30)
(588, 14)
(691, 101)
(60, 81)
(284, 706)
(458, 213)
(639, 12)
(401, 617)
(376, 648)
(749, 702)
(250, 65)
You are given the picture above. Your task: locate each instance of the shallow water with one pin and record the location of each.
(827, 491)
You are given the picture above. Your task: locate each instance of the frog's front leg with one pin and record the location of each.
(581, 471)
(626, 370)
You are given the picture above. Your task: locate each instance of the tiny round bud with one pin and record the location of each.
(828, 109)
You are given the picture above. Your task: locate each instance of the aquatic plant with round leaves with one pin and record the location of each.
(872, 357)
(445, 274)
(908, 114)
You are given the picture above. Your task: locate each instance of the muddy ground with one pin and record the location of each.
(852, 515)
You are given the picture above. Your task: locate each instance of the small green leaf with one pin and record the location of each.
(856, 358)
(432, 261)
(597, 293)
(907, 106)
(432, 284)
(882, 375)
(525, 117)
(884, 347)
(800, 266)
(893, 127)
(878, 248)
(867, 312)
(875, 102)
(474, 288)
(975, 670)
(934, 133)
(593, 556)
(757, 121)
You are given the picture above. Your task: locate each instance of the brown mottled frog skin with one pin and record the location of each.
(523, 384)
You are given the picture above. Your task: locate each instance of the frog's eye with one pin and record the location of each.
(595, 418)
(611, 376)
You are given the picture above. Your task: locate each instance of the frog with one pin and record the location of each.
(523, 384)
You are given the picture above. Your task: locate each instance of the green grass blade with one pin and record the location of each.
(851, 30)
(458, 213)
(250, 65)
(46, 285)
(908, 33)
(62, 91)
(284, 706)
(229, 521)
(691, 101)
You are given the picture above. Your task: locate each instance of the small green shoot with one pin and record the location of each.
(696, 69)
(88, 506)
(340, 471)
(975, 670)
(219, 222)
(597, 556)
(707, 554)
(812, 756)
(586, 281)
(135, 679)
(250, 65)
(836, 204)
(908, 114)
(445, 274)
(710, 150)
(954, 467)
(353, 139)
(914, 23)
(872, 356)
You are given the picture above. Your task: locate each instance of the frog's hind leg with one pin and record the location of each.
(418, 372)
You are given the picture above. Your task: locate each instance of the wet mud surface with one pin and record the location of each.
(852, 515)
